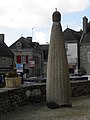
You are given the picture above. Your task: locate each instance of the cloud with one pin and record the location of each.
(29, 13)
(74, 5)
(41, 37)
(75, 25)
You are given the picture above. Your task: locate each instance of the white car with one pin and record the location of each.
(86, 76)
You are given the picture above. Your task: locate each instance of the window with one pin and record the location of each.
(37, 60)
(66, 46)
(25, 58)
(88, 56)
(19, 45)
(45, 54)
(3, 62)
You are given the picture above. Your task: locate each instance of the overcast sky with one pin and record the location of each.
(34, 17)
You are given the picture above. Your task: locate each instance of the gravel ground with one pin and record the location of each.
(80, 110)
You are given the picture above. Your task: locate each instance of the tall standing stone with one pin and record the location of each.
(58, 84)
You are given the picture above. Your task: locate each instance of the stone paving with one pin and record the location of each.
(80, 110)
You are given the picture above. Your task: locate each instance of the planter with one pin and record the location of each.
(13, 82)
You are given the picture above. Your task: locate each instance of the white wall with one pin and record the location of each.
(72, 52)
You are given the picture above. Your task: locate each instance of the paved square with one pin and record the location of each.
(80, 110)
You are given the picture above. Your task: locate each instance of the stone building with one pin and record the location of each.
(72, 39)
(29, 54)
(85, 46)
(81, 42)
(6, 56)
(77, 46)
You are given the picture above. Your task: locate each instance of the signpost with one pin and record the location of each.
(19, 68)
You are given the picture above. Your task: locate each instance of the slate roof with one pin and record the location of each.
(86, 38)
(44, 46)
(71, 35)
(25, 43)
(5, 51)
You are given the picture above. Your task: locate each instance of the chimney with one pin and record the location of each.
(2, 38)
(85, 23)
(29, 39)
(89, 26)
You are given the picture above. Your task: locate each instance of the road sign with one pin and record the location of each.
(32, 63)
(19, 67)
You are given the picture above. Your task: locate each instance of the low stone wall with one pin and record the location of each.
(12, 98)
(80, 88)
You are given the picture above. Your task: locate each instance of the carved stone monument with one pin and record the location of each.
(58, 83)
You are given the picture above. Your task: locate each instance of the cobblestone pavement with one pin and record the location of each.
(80, 110)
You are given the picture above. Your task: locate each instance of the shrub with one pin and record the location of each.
(11, 74)
(82, 71)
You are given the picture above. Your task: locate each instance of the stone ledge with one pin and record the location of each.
(12, 98)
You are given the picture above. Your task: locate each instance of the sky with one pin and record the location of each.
(33, 18)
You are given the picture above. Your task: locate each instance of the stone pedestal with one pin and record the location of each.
(58, 84)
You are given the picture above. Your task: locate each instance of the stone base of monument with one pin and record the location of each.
(53, 105)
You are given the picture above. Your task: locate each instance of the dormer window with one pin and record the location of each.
(19, 45)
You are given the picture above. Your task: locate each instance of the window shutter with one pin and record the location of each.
(18, 59)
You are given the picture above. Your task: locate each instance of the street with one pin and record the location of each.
(80, 110)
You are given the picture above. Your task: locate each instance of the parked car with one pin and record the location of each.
(29, 80)
(78, 78)
(35, 79)
(88, 76)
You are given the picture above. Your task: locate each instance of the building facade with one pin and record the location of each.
(6, 56)
(72, 39)
(44, 49)
(85, 46)
(29, 54)
(34, 56)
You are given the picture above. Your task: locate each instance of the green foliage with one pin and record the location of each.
(11, 74)
(82, 71)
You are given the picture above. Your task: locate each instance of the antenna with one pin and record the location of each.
(32, 34)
